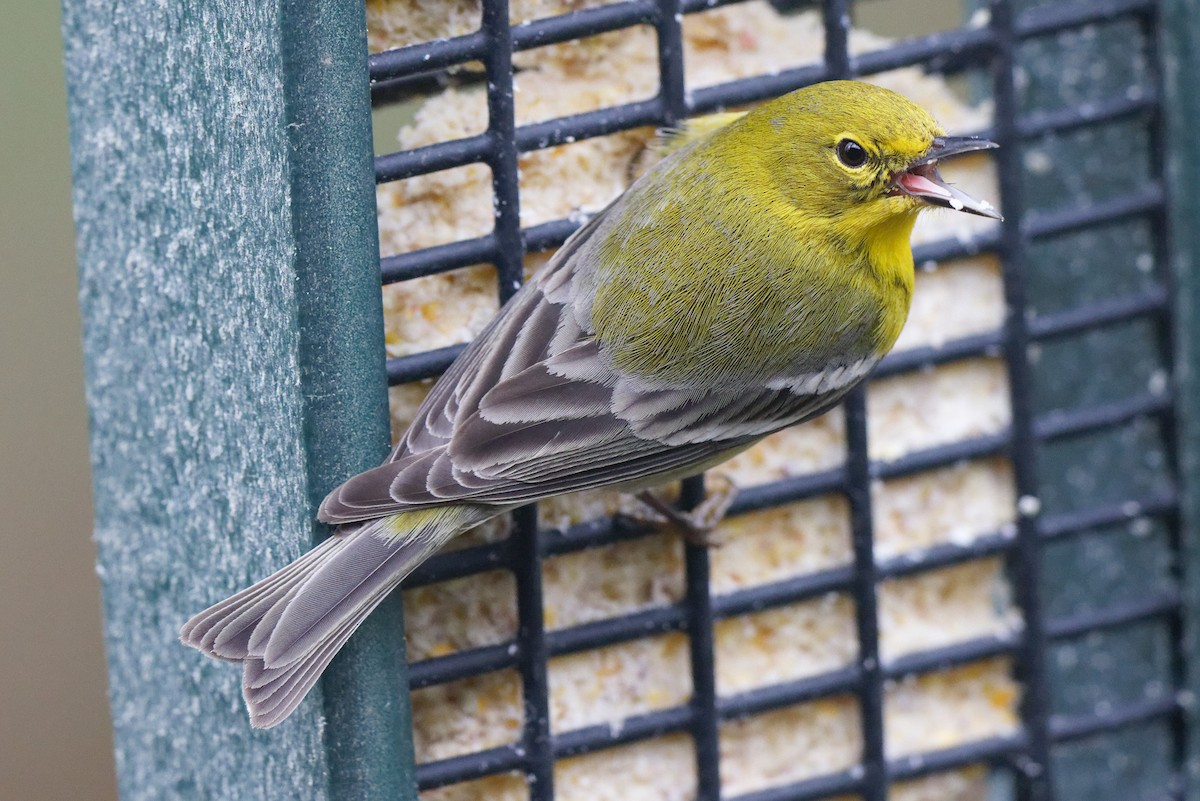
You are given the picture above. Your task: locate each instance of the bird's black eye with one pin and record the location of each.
(851, 153)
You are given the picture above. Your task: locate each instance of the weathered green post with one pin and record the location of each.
(230, 292)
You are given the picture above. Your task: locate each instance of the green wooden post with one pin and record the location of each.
(229, 288)
(1180, 39)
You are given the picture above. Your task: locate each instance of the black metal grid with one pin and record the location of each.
(1028, 753)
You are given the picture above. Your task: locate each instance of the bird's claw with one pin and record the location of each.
(699, 525)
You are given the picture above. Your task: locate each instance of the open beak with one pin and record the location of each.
(921, 180)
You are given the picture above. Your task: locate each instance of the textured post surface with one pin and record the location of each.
(332, 174)
(206, 297)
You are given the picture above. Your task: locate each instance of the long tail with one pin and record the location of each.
(286, 628)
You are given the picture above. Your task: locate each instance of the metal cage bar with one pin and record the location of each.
(1033, 763)
(1178, 43)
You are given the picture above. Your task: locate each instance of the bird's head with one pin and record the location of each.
(845, 149)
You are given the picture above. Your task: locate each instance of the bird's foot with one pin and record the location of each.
(699, 525)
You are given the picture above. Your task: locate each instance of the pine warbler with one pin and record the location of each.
(744, 284)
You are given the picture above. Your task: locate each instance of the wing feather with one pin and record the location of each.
(535, 407)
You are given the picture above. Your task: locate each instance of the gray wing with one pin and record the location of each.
(534, 407)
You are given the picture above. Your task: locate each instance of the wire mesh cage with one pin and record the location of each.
(977, 587)
(1083, 255)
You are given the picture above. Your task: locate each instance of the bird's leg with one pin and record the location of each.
(699, 525)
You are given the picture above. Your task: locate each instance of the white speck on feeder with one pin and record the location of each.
(1029, 505)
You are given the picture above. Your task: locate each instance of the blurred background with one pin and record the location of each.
(54, 729)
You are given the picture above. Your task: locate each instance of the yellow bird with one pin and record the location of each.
(744, 284)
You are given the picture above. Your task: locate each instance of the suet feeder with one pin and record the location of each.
(976, 581)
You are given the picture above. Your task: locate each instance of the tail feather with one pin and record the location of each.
(272, 693)
(286, 628)
(264, 685)
(217, 630)
(268, 619)
(232, 623)
(352, 578)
